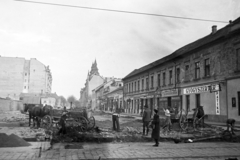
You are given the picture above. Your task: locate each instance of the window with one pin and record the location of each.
(207, 67)
(238, 59)
(25, 74)
(147, 83)
(151, 81)
(138, 85)
(132, 86)
(142, 84)
(170, 77)
(164, 78)
(159, 79)
(135, 87)
(187, 72)
(197, 70)
(178, 75)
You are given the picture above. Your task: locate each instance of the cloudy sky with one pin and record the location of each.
(69, 39)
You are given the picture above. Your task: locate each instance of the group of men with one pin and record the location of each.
(155, 123)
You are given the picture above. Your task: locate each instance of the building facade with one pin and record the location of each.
(93, 80)
(203, 73)
(19, 75)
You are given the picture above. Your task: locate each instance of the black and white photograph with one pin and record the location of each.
(119, 80)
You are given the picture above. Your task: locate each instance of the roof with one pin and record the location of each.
(117, 89)
(220, 34)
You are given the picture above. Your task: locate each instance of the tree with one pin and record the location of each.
(77, 103)
(63, 100)
(71, 99)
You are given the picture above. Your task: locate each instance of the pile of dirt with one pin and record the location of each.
(12, 141)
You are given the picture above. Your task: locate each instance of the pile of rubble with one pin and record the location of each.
(13, 116)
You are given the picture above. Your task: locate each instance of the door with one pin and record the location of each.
(169, 102)
(197, 100)
(187, 103)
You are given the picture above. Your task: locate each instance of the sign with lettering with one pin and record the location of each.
(217, 103)
(215, 87)
(168, 93)
(198, 89)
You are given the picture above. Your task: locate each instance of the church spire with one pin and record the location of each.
(94, 68)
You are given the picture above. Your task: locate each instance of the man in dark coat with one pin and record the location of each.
(146, 119)
(156, 128)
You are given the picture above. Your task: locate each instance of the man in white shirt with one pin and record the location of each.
(168, 122)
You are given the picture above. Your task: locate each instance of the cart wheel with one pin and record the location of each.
(82, 125)
(46, 122)
(227, 136)
(183, 121)
(91, 123)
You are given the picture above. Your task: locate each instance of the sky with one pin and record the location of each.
(69, 39)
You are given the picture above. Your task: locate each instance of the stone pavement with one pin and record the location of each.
(134, 151)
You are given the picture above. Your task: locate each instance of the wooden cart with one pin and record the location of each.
(79, 120)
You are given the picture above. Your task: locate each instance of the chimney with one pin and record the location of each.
(214, 29)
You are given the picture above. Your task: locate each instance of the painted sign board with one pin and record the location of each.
(217, 103)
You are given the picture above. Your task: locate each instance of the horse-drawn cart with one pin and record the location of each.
(79, 120)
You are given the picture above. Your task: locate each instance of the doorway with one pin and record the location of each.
(169, 102)
(187, 103)
(198, 100)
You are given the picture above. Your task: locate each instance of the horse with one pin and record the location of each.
(37, 112)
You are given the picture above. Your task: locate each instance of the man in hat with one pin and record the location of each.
(156, 128)
(146, 119)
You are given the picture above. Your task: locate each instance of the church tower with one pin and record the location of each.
(94, 69)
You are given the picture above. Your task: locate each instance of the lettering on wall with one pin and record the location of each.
(217, 103)
(198, 89)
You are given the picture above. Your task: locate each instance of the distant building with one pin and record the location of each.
(51, 99)
(19, 75)
(93, 80)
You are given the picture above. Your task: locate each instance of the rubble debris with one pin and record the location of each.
(12, 141)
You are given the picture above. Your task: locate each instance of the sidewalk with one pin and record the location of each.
(133, 151)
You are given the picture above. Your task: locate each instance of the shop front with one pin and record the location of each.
(211, 96)
(170, 98)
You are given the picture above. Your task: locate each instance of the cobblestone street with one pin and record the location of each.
(166, 150)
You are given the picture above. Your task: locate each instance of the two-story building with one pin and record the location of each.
(205, 72)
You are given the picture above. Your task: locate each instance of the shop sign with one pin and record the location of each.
(168, 93)
(217, 103)
(151, 95)
(198, 89)
(215, 87)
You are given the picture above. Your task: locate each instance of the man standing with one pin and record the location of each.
(115, 119)
(146, 119)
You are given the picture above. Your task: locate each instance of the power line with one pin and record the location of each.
(130, 12)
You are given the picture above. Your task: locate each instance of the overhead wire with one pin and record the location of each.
(121, 11)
